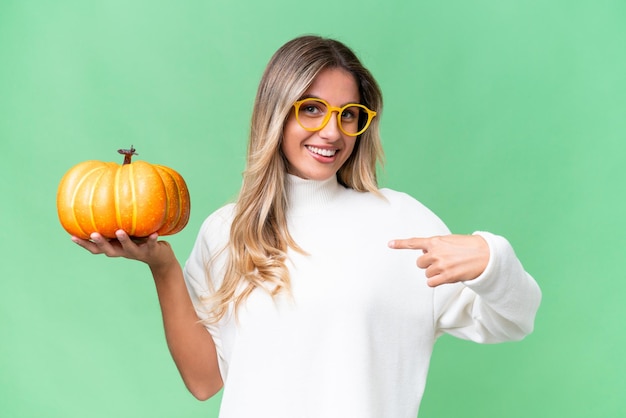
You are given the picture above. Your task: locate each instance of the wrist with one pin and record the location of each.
(164, 268)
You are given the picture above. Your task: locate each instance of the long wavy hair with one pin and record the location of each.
(259, 237)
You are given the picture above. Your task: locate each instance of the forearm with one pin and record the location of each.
(190, 344)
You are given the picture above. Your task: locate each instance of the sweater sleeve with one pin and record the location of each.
(499, 305)
(204, 269)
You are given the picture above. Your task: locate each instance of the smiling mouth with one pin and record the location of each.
(322, 152)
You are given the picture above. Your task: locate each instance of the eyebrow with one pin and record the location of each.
(310, 96)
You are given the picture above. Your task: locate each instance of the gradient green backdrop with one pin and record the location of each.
(502, 115)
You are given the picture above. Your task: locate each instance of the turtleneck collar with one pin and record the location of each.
(309, 196)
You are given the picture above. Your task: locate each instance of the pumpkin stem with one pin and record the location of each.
(128, 153)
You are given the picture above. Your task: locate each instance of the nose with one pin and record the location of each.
(331, 131)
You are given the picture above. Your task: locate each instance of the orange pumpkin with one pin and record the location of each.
(138, 197)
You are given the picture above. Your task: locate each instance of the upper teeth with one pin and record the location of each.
(324, 152)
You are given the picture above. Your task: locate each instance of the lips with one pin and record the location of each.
(322, 151)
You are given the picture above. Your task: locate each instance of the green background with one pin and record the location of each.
(501, 115)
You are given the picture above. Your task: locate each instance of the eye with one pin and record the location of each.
(350, 114)
(313, 108)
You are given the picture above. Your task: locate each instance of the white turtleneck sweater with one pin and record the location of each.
(355, 339)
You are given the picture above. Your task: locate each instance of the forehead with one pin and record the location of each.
(335, 85)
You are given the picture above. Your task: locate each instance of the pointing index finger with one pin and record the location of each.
(409, 244)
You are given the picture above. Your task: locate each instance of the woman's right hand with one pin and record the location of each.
(156, 254)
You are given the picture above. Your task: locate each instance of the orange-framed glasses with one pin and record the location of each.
(352, 119)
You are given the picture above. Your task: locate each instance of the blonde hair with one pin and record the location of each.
(259, 237)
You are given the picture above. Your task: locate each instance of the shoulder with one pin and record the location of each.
(404, 201)
(387, 200)
(215, 230)
(209, 247)
(398, 197)
(406, 208)
(219, 220)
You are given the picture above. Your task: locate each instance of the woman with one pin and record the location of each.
(313, 305)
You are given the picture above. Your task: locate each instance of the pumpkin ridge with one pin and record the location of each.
(171, 223)
(182, 198)
(116, 194)
(179, 212)
(79, 184)
(168, 198)
(133, 194)
(94, 186)
(173, 219)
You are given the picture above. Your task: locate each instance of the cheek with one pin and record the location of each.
(350, 146)
(290, 135)
(293, 135)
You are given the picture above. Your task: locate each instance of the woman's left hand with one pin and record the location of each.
(448, 258)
